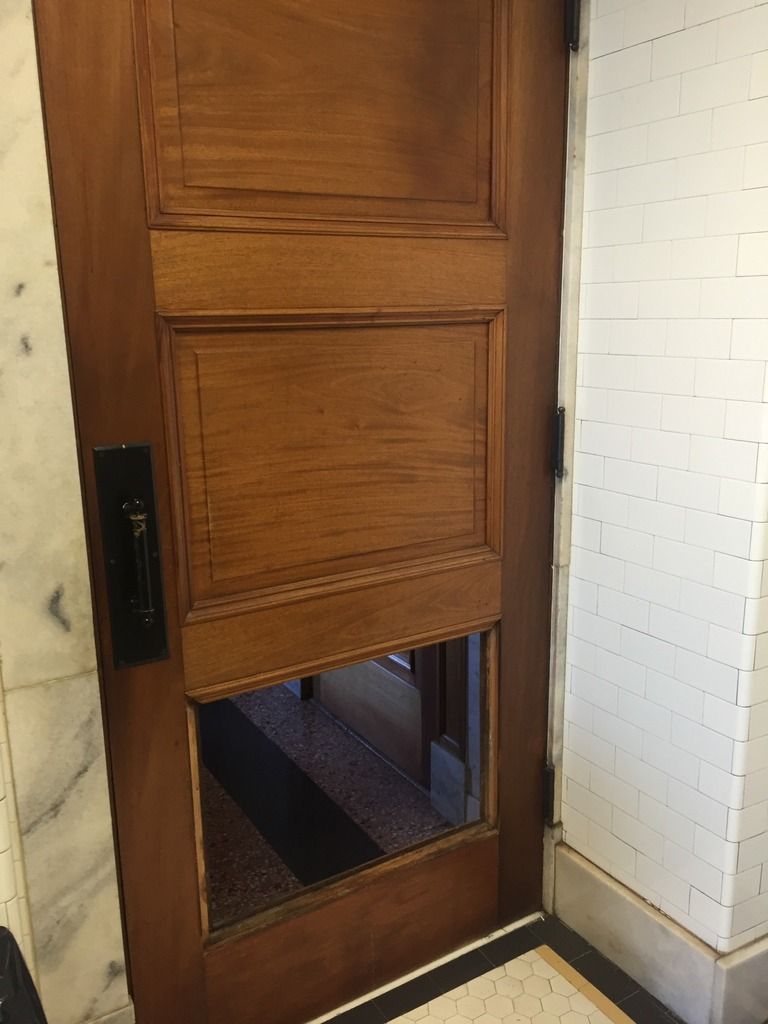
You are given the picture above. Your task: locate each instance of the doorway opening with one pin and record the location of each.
(304, 781)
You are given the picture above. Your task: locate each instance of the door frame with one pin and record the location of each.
(94, 148)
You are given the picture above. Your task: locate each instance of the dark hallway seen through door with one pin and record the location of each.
(307, 780)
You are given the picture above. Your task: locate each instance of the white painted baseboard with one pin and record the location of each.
(691, 978)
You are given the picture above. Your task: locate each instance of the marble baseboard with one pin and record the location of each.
(740, 994)
(57, 752)
(692, 979)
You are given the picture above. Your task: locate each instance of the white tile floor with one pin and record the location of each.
(527, 990)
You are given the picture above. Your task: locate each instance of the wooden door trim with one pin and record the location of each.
(92, 130)
(359, 580)
(536, 203)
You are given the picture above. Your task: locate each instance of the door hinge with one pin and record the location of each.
(549, 793)
(572, 23)
(558, 454)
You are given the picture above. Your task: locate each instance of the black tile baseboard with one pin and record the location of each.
(558, 936)
(642, 1008)
(433, 984)
(368, 1013)
(604, 975)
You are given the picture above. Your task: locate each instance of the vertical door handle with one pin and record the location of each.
(129, 532)
(141, 601)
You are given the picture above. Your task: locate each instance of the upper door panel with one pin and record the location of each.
(324, 113)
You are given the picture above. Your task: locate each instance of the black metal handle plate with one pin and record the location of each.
(125, 484)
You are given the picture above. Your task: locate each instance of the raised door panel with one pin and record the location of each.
(448, 890)
(308, 451)
(324, 110)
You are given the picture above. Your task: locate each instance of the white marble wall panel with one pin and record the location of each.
(14, 908)
(61, 858)
(45, 616)
(61, 785)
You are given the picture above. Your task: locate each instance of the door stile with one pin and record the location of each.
(91, 115)
(536, 197)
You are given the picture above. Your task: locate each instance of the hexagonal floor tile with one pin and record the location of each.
(562, 986)
(470, 1007)
(519, 969)
(511, 987)
(484, 987)
(528, 1005)
(442, 1008)
(555, 1004)
(543, 969)
(581, 1004)
(536, 986)
(500, 1006)
(574, 1018)
(417, 1014)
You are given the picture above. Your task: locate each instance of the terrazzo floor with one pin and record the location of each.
(243, 870)
(346, 797)
(394, 812)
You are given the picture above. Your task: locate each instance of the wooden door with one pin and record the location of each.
(310, 253)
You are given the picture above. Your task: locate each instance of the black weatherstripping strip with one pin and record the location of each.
(310, 833)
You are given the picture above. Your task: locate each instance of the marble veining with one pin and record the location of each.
(56, 757)
(63, 806)
(45, 608)
(55, 609)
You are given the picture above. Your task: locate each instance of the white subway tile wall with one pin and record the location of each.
(666, 735)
